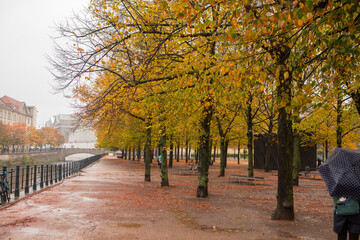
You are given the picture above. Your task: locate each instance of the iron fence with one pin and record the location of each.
(36, 177)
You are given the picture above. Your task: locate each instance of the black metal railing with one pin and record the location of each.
(38, 177)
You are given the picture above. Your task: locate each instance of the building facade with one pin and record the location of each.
(74, 138)
(13, 111)
(81, 138)
(64, 123)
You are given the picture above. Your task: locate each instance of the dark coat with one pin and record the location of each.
(352, 222)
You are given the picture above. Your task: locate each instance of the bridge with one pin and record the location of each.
(62, 153)
(57, 154)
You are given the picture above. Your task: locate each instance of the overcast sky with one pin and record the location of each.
(25, 30)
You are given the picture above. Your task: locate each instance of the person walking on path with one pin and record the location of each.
(344, 224)
(341, 174)
(159, 161)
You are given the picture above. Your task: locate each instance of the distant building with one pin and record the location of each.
(64, 123)
(13, 111)
(74, 138)
(81, 138)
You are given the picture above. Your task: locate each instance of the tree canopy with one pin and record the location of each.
(155, 68)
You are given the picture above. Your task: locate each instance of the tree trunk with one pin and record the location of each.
(267, 155)
(338, 121)
(148, 150)
(269, 144)
(186, 151)
(249, 134)
(182, 153)
(133, 156)
(164, 167)
(171, 151)
(285, 201)
(226, 151)
(222, 157)
(178, 152)
(355, 95)
(190, 152)
(297, 160)
(238, 155)
(196, 156)
(152, 155)
(223, 148)
(175, 152)
(139, 152)
(204, 143)
(144, 150)
(204, 150)
(326, 149)
(214, 153)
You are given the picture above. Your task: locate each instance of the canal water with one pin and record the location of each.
(22, 163)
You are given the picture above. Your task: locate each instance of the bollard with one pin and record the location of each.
(51, 174)
(17, 181)
(34, 183)
(47, 175)
(55, 171)
(22, 178)
(60, 175)
(42, 176)
(27, 179)
(31, 175)
(64, 169)
(11, 180)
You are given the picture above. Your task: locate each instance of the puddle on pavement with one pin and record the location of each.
(43, 208)
(87, 199)
(129, 225)
(191, 222)
(31, 230)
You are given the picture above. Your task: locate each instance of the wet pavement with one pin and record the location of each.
(110, 200)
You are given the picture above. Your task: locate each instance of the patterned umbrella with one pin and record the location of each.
(341, 173)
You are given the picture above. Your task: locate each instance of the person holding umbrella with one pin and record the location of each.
(341, 174)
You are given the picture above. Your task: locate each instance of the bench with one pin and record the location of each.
(310, 175)
(246, 179)
(189, 171)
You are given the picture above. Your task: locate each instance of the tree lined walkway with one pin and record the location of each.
(110, 200)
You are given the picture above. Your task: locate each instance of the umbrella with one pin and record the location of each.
(341, 173)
